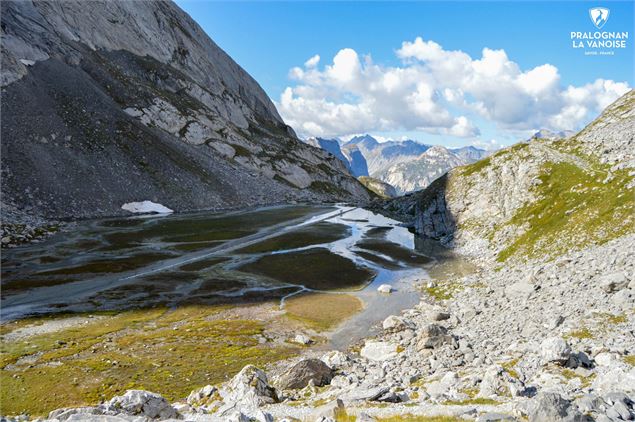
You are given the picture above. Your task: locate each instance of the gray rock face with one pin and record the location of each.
(331, 146)
(382, 189)
(419, 172)
(135, 102)
(379, 351)
(359, 166)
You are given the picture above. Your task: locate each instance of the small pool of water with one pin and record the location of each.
(266, 254)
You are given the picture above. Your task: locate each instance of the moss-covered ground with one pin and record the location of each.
(170, 352)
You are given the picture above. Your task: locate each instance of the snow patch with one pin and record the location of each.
(146, 207)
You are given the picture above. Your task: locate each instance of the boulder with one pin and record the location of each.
(448, 383)
(438, 316)
(615, 378)
(302, 339)
(555, 350)
(203, 396)
(385, 288)
(520, 290)
(497, 382)
(305, 371)
(335, 359)
(614, 282)
(330, 411)
(590, 403)
(379, 350)
(495, 417)
(606, 359)
(142, 403)
(553, 408)
(365, 393)
(433, 336)
(249, 389)
(74, 413)
(394, 324)
(624, 298)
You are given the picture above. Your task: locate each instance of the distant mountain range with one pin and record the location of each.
(406, 165)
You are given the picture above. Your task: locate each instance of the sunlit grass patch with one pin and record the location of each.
(581, 334)
(575, 207)
(509, 367)
(611, 318)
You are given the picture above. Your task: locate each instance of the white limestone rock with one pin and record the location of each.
(385, 288)
(379, 350)
(555, 350)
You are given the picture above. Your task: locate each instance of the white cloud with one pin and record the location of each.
(313, 61)
(491, 145)
(436, 91)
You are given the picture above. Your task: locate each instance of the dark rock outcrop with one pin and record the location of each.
(305, 371)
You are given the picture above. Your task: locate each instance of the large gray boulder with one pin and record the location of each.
(552, 407)
(305, 371)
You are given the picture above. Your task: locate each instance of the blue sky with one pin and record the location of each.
(268, 39)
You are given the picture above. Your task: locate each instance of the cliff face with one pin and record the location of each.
(107, 102)
(536, 199)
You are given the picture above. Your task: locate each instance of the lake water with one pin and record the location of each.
(219, 258)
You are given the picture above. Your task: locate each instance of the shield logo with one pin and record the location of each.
(599, 16)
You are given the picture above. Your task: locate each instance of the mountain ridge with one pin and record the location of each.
(536, 198)
(402, 164)
(133, 101)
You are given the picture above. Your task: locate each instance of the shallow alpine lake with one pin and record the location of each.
(275, 254)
